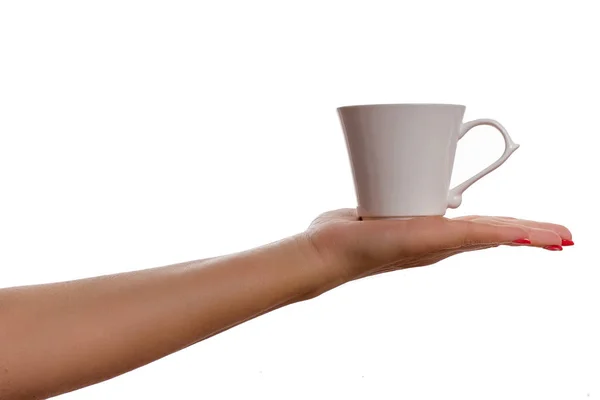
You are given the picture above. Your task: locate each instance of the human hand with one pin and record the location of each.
(355, 249)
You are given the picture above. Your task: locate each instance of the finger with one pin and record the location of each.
(537, 236)
(430, 234)
(544, 237)
(561, 230)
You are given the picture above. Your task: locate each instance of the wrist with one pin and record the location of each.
(323, 270)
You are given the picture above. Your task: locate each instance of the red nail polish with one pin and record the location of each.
(522, 241)
(567, 242)
(553, 247)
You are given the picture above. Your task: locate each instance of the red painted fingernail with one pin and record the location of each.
(567, 242)
(522, 241)
(553, 247)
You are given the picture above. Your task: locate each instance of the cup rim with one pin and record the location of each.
(397, 105)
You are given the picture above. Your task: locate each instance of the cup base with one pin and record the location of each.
(382, 218)
(397, 217)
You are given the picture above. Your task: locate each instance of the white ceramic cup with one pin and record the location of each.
(402, 156)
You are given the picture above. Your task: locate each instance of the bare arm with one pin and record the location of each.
(59, 337)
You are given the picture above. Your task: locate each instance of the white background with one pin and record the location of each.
(135, 134)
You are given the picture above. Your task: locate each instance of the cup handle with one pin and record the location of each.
(455, 194)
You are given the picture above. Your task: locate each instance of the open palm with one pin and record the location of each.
(361, 248)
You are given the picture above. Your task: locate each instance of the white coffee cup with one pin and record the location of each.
(402, 156)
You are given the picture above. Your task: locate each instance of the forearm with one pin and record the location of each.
(58, 337)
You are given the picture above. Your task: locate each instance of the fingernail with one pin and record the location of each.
(522, 241)
(553, 247)
(567, 242)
